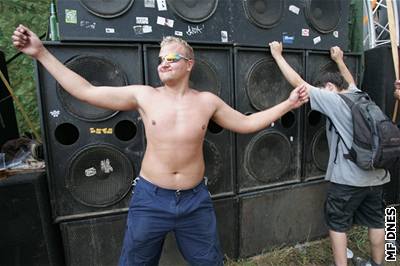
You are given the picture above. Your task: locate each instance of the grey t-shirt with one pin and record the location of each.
(342, 171)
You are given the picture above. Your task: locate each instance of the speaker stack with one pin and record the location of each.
(94, 154)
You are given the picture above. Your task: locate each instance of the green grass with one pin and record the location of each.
(315, 253)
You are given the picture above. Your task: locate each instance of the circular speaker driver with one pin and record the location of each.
(98, 71)
(320, 151)
(107, 8)
(204, 78)
(323, 15)
(265, 86)
(267, 156)
(99, 176)
(193, 11)
(264, 13)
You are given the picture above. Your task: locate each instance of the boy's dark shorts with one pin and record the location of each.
(347, 205)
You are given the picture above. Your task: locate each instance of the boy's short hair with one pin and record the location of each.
(332, 77)
(171, 39)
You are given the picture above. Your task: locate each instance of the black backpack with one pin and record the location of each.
(376, 139)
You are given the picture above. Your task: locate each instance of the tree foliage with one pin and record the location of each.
(34, 14)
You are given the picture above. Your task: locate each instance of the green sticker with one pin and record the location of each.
(71, 16)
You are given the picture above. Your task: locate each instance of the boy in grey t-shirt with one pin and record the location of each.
(354, 195)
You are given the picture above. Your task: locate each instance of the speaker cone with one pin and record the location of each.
(265, 85)
(107, 8)
(99, 176)
(98, 71)
(267, 156)
(205, 78)
(319, 150)
(193, 11)
(323, 15)
(264, 13)
(213, 162)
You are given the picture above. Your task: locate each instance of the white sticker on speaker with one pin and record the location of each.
(150, 3)
(291, 138)
(110, 30)
(305, 32)
(71, 16)
(165, 22)
(88, 25)
(106, 166)
(55, 113)
(294, 9)
(141, 29)
(178, 33)
(142, 20)
(224, 36)
(90, 172)
(147, 29)
(162, 5)
(336, 34)
(317, 40)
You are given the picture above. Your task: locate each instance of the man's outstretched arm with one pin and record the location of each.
(288, 72)
(116, 98)
(235, 121)
(337, 56)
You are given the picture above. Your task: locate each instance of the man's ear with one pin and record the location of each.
(330, 86)
(190, 65)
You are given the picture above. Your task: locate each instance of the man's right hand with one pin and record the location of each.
(276, 48)
(336, 54)
(27, 41)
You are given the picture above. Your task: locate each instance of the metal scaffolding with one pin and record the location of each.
(376, 25)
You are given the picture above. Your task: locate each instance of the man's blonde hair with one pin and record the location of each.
(171, 39)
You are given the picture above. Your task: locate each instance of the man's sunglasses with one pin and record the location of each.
(171, 58)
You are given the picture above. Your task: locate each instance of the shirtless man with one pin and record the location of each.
(169, 194)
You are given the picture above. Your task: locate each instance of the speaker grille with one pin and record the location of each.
(264, 13)
(267, 156)
(107, 8)
(320, 151)
(265, 87)
(213, 162)
(323, 15)
(205, 78)
(194, 11)
(98, 71)
(99, 176)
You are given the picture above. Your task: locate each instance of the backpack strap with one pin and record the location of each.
(331, 125)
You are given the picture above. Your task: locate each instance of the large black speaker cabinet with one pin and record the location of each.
(8, 121)
(27, 234)
(143, 20)
(272, 156)
(283, 216)
(315, 148)
(92, 154)
(379, 77)
(302, 24)
(98, 241)
(212, 72)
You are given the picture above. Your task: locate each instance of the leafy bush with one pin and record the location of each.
(34, 14)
